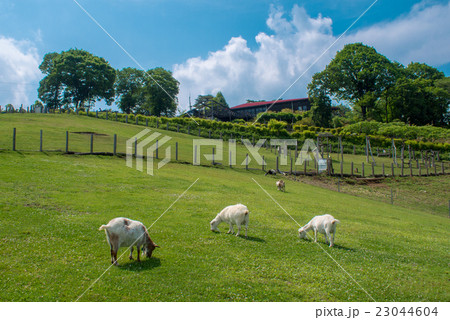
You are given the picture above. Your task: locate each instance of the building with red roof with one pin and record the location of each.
(251, 109)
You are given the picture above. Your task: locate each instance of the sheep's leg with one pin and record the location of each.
(231, 230)
(315, 235)
(332, 240)
(326, 238)
(246, 227)
(114, 256)
(138, 254)
(239, 230)
(131, 253)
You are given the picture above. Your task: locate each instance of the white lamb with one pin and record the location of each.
(325, 224)
(237, 214)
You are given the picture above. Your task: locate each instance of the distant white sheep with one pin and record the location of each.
(123, 232)
(237, 214)
(325, 224)
(281, 185)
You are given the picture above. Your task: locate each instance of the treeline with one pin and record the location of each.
(76, 79)
(380, 89)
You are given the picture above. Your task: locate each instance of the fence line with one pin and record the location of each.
(427, 168)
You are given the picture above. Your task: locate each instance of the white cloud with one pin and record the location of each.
(19, 72)
(280, 58)
(265, 73)
(420, 36)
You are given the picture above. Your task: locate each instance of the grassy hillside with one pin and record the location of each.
(51, 206)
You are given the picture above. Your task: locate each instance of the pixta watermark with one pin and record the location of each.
(147, 146)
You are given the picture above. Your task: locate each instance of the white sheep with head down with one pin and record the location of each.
(237, 214)
(325, 224)
(123, 232)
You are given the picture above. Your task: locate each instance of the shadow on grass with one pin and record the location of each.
(336, 246)
(145, 264)
(250, 238)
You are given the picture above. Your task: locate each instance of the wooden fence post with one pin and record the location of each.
(246, 162)
(199, 132)
(40, 141)
(126, 118)
(92, 143)
(384, 175)
(115, 144)
(156, 151)
(230, 160)
(14, 139)
(392, 169)
(137, 119)
(362, 170)
(373, 169)
(351, 169)
(278, 159)
(291, 165)
(176, 151)
(167, 125)
(262, 163)
(67, 141)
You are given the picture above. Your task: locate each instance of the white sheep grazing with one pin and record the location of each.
(281, 185)
(123, 232)
(325, 224)
(237, 214)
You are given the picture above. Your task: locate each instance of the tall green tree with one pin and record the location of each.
(321, 111)
(128, 88)
(357, 74)
(159, 94)
(50, 87)
(220, 99)
(76, 77)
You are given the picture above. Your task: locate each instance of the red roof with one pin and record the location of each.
(263, 103)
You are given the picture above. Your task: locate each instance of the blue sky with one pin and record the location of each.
(248, 49)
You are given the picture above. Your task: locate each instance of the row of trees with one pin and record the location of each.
(77, 78)
(380, 89)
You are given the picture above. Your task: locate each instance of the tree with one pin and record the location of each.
(419, 102)
(128, 87)
(76, 77)
(416, 70)
(321, 111)
(220, 99)
(159, 94)
(50, 87)
(357, 74)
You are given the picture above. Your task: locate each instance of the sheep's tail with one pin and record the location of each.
(103, 227)
(335, 221)
(246, 212)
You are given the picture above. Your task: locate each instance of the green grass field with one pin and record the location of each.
(52, 205)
